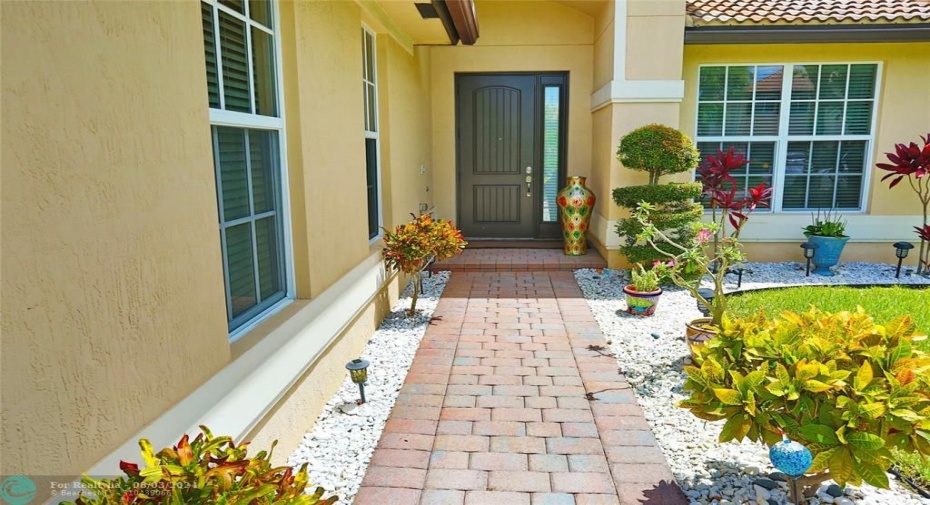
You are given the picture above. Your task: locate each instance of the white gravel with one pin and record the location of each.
(651, 352)
(340, 445)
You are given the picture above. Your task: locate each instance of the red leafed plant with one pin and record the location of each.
(690, 263)
(912, 162)
(206, 469)
(411, 246)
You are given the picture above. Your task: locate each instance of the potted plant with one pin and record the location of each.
(642, 294)
(843, 385)
(657, 150)
(206, 469)
(690, 263)
(828, 233)
(913, 162)
(412, 246)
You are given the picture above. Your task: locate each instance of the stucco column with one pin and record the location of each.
(638, 55)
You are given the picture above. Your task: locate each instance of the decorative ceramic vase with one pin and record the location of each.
(575, 205)
(827, 253)
(641, 303)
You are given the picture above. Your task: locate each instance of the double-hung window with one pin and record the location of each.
(807, 129)
(247, 130)
(370, 97)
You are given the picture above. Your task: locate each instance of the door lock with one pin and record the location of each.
(529, 180)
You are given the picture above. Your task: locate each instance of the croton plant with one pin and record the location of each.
(841, 384)
(411, 246)
(207, 469)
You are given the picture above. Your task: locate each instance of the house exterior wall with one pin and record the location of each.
(889, 213)
(113, 305)
(549, 37)
(636, 88)
(114, 320)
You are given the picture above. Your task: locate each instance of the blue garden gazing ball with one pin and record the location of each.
(791, 457)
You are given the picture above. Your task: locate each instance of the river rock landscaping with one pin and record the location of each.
(651, 353)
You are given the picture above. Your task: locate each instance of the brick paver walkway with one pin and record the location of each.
(519, 260)
(513, 398)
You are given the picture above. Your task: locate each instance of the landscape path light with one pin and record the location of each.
(358, 370)
(900, 250)
(810, 249)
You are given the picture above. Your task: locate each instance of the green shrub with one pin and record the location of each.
(630, 196)
(659, 150)
(411, 246)
(205, 470)
(847, 388)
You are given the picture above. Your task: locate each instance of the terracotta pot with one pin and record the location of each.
(697, 332)
(641, 303)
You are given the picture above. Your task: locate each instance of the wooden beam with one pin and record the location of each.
(463, 17)
(442, 10)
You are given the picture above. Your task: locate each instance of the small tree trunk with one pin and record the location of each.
(415, 279)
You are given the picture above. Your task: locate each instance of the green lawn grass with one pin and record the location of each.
(883, 304)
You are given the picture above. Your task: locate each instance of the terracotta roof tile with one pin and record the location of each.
(743, 12)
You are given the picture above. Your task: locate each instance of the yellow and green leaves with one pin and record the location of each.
(841, 384)
(204, 470)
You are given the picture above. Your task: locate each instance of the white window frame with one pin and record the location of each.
(376, 132)
(783, 138)
(220, 117)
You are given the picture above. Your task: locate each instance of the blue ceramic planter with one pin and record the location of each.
(827, 253)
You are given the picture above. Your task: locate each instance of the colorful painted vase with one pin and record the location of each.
(575, 205)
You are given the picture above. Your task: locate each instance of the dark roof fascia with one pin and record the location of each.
(442, 10)
(823, 34)
(464, 18)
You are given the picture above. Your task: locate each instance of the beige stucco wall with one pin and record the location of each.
(654, 39)
(326, 151)
(603, 46)
(112, 298)
(330, 148)
(901, 91)
(549, 37)
(405, 130)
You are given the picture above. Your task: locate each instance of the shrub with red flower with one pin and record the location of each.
(691, 262)
(411, 246)
(912, 162)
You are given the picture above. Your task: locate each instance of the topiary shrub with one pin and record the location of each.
(847, 388)
(658, 150)
(207, 469)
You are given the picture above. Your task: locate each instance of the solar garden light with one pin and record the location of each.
(900, 250)
(358, 370)
(809, 249)
(707, 294)
(792, 459)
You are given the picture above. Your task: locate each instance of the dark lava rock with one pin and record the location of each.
(778, 476)
(765, 483)
(656, 336)
(773, 501)
(834, 491)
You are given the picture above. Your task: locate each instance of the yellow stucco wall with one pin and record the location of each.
(113, 306)
(549, 37)
(654, 39)
(326, 154)
(901, 91)
(112, 274)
